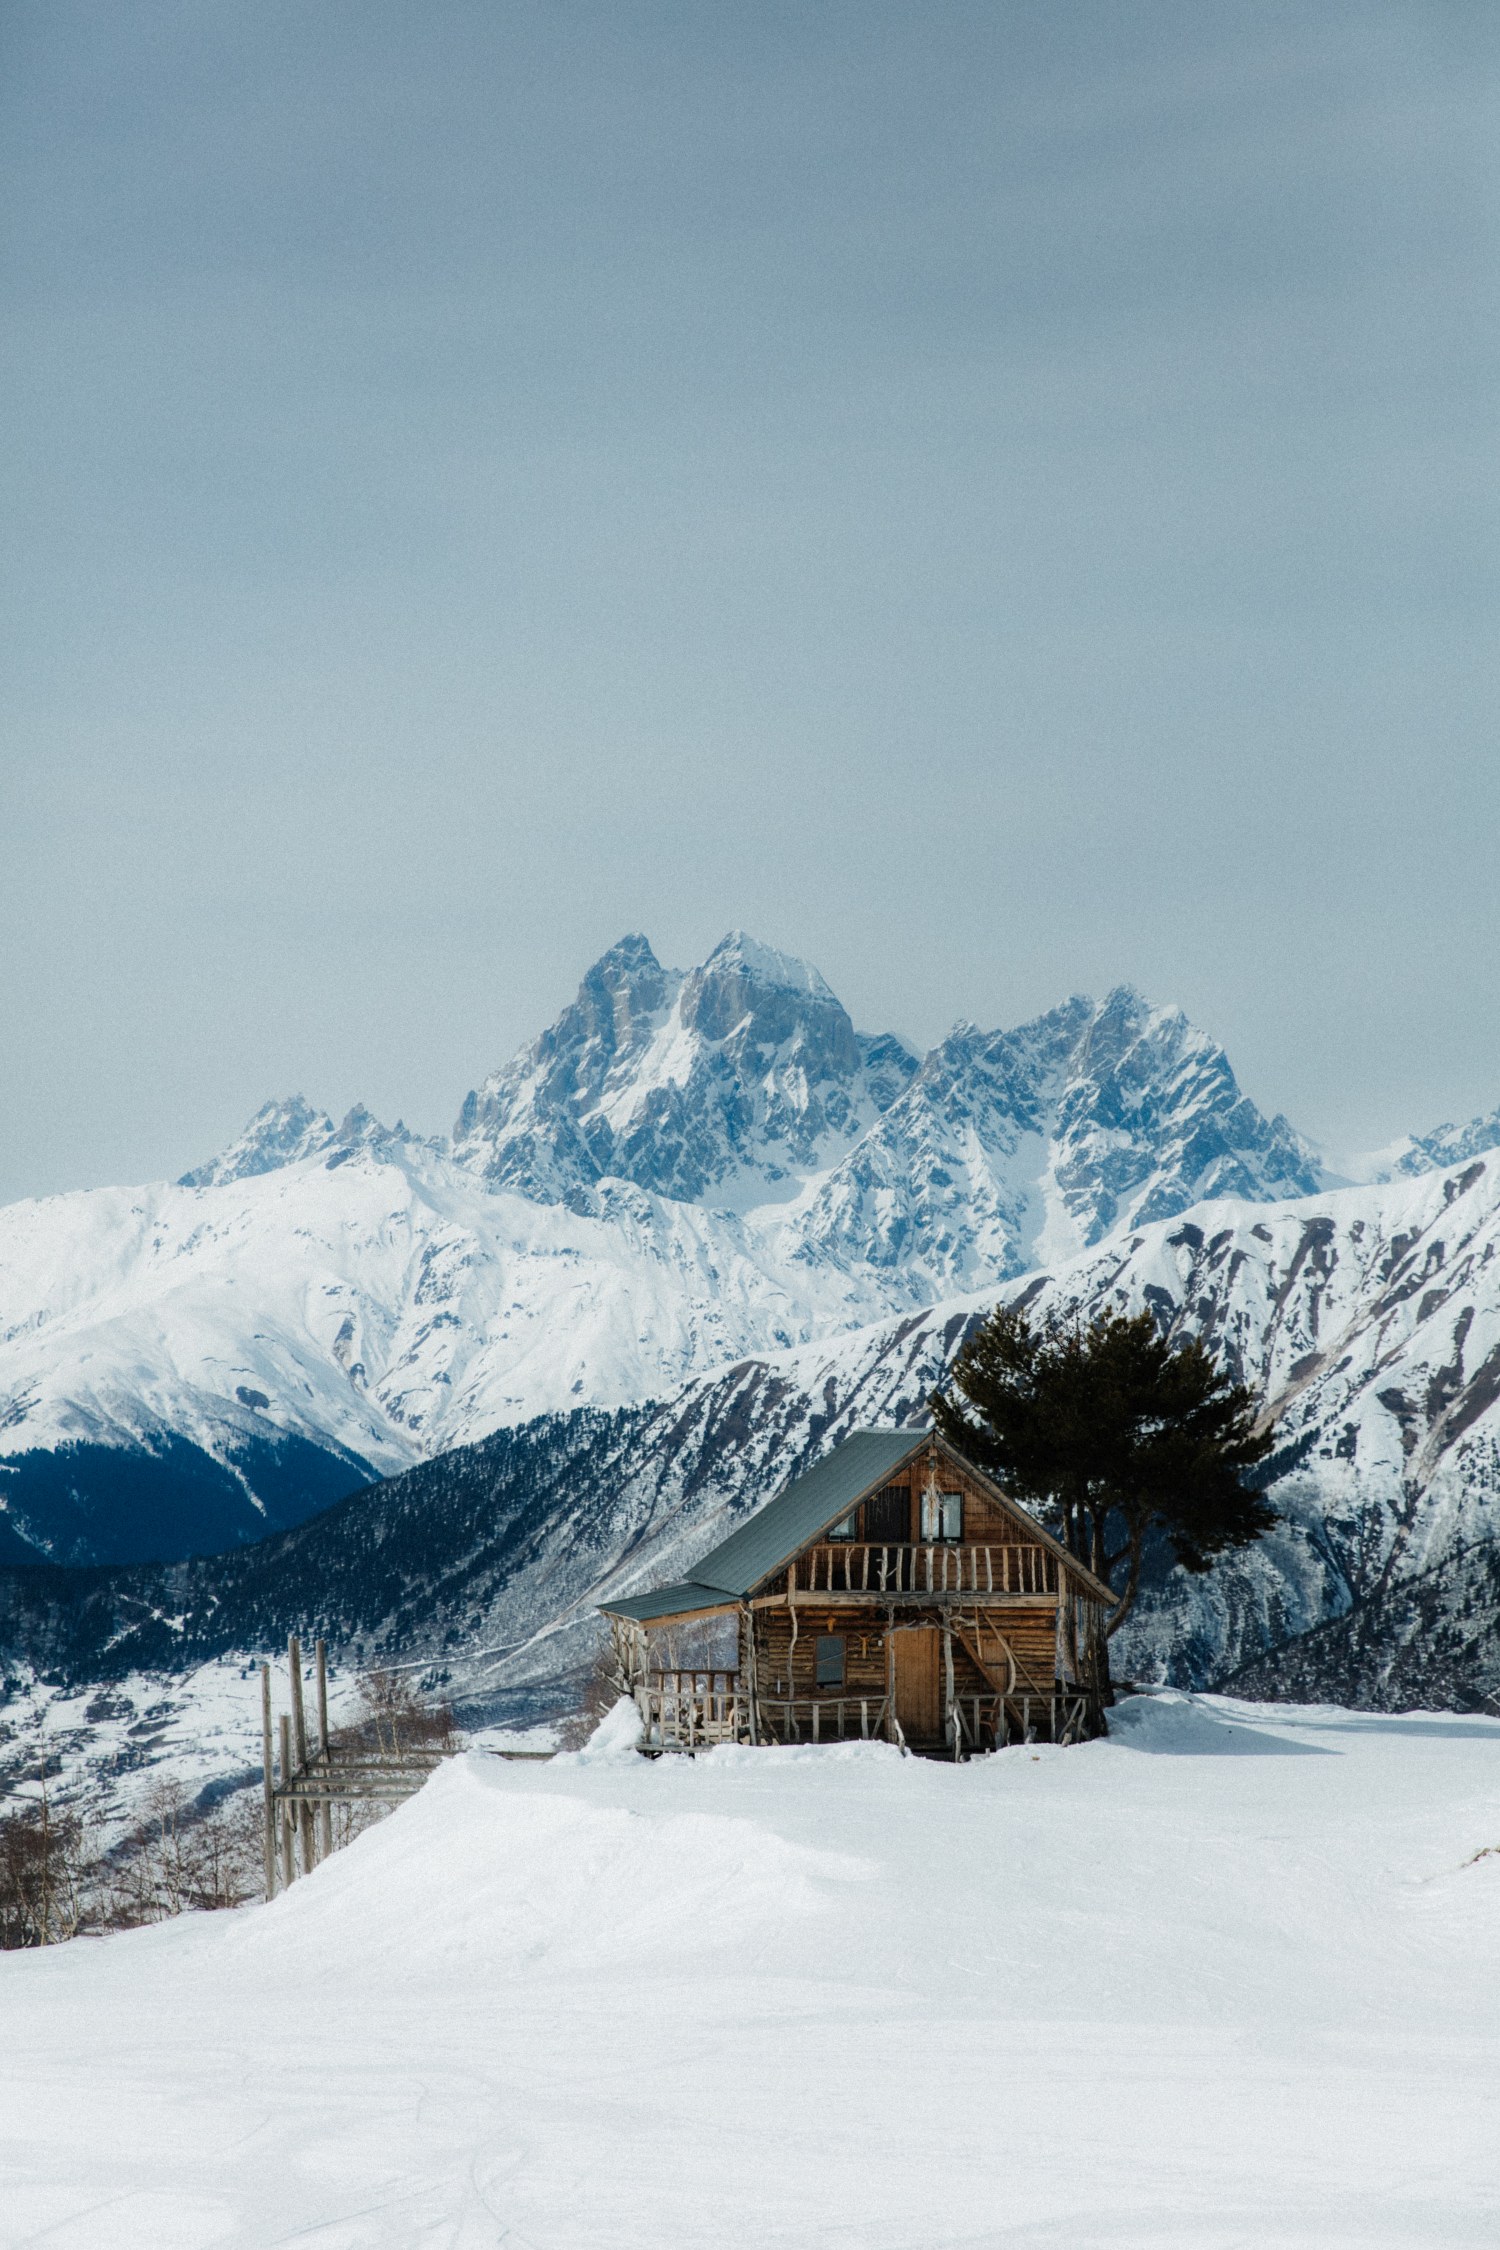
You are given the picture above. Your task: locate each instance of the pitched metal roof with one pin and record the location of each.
(809, 1503)
(783, 1527)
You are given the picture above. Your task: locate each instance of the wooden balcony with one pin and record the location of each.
(845, 1571)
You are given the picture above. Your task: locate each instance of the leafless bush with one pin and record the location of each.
(176, 1859)
(391, 1716)
(44, 1876)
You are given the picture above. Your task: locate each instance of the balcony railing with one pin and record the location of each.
(989, 1722)
(824, 1718)
(845, 1568)
(685, 1710)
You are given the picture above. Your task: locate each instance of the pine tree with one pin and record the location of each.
(1112, 1433)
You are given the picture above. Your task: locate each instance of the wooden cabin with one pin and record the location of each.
(892, 1593)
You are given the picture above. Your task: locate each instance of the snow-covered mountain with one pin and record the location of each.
(688, 1169)
(1415, 1153)
(743, 1085)
(1014, 1149)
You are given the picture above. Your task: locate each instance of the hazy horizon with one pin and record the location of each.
(999, 503)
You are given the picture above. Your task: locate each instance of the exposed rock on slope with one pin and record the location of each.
(1014, 1149)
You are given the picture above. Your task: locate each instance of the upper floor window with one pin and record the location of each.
(843, 1529)
(888, 1517)
(942, 1517)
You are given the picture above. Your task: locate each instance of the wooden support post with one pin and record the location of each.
(299, 1735)
(890, 1673)
(269, 1786)
(325, 1755)
(748, 1669)
(288, 1848)
(948, 1688)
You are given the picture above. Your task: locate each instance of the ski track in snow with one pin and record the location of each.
(1225, 1980)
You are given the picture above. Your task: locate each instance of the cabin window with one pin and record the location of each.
(942, 1517)
(888, 1517)
(843, 1529)
(830, 1656)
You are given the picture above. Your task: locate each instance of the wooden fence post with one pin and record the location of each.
(299, 1731)
(288, 1813)
(325, 1755)
(269, 1786)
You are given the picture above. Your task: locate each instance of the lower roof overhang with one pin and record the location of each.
(669, 1603)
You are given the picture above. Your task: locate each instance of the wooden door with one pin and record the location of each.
(917, 1655)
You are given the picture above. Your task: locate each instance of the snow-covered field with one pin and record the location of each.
(1226, 1979)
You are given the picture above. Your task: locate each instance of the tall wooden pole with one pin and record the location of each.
(288, 1846)
(270, 1791)
(948, 1688)
(299, 1732)
(325, 1756)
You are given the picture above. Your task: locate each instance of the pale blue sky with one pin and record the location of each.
(999, 499)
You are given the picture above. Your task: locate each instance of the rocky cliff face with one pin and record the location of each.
(726, 1084)
(1013, 1149)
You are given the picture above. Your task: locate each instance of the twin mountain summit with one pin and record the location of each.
(691, 1235)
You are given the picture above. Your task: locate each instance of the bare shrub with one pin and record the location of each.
(177, 1859)
(391, 1716)
(45, 1886)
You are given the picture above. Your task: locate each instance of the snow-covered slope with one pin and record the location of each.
(380, 1303)
(1225, 1979)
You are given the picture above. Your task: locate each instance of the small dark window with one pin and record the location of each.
(830, 1655)
(888, 1517)
(844, 1529)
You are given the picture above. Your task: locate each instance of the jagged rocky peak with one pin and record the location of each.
(286, 1132)
(727, 1082)
(1416, 1153)
(1151, 1118)
(751, 998)
(1010, 1149)
(280, 1132)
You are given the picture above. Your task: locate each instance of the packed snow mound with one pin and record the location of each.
(1187, 1726)
(617, 1735)
(510, 1884)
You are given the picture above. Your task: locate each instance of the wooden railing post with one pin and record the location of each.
(325, 1754)
(299, 1732)
(269, 1784)
(284, 1825)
